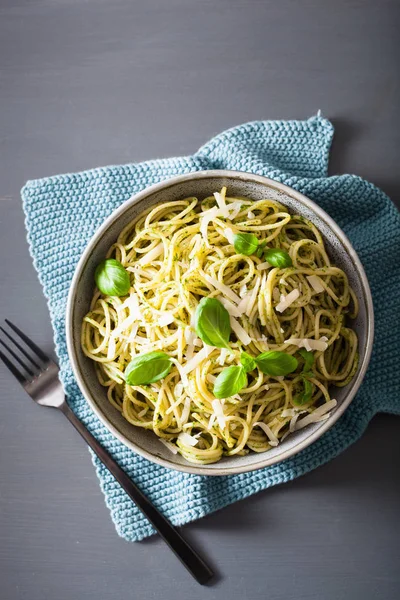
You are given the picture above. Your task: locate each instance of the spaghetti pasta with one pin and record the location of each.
(177, 253)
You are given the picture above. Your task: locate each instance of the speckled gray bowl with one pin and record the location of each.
(203, 184)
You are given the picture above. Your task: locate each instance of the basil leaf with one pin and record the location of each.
(305, 394)
(245, 243)
(248, 362)
(308, 359)
(260, 249)
(212, 323)
(148, 368)
(229, 382)
(278, 258)
(111, 278)
(277, 363)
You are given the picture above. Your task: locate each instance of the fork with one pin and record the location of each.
(39, 378)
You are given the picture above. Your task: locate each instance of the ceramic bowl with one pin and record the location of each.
(203, 184)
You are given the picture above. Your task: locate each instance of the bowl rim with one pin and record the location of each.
(264, 460)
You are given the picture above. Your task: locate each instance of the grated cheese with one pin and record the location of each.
(230, 307)
(189, 335)
(132, 303)
(168, 445)
(263, 339)
(219, 412)
(273, 440)
(223, 288)
(196, 360)
(189, 352)
(293, 421)
(187, 439)
(288, 412)
(111, 347)
(241, 334)
(243, 291)
(220, 198)
(165, 319)
(242, 306)
(208, 216)
(253, 295)
(134, 330)
(178, 390)
(211, 421)
(222, 356)
(286, 301)
(151, 255)
(126, 323)
(316, 283)
(228, 233)
(234, 210)
(309, 344)
(251, 215)
(185, 411)
(263, 266)
(319, 414)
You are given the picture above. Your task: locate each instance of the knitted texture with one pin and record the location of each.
(63, 212)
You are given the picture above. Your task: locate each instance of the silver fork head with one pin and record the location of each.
(35, 371)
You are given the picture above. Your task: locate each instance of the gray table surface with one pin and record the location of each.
(89, 83)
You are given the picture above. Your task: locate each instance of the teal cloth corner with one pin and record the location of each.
(63, 212)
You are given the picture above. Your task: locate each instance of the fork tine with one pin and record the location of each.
(28, 341)
(17, 358)
(20, 348)
(13, 369)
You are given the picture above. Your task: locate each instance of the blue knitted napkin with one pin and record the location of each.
(63, 212)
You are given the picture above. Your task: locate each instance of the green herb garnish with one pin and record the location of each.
(308, 358)
(230, 381)
(260, 250)
(278, 258)
(245, 243)
(111, 278)
(305, 395)
(148, 368)
(276, 363)
(248, 362)
(212, 323)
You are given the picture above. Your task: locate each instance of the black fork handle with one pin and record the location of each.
(188, 557)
